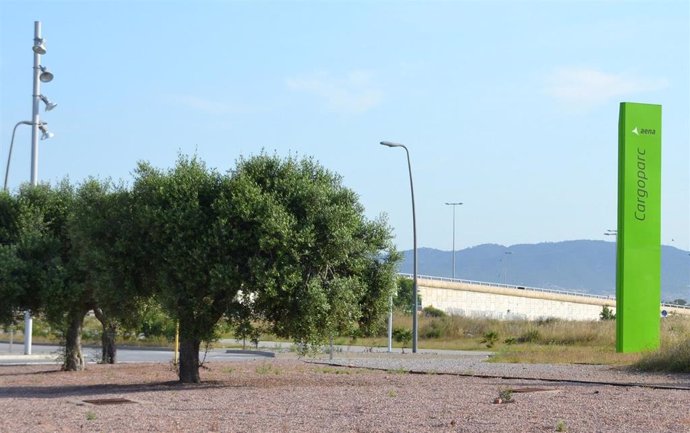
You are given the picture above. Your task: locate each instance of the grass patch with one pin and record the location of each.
(561, 354)
(267, 368)
(674, 358)
(333, 370)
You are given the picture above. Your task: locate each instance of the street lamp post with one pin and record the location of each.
(40, 75)
(454, 204)
(414, 247)
(505, 275)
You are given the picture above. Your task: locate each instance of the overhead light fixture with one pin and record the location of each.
(49, 105)
(39, 46)
(45, 134)
(46, 76)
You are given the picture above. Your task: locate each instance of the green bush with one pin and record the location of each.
(402, 335)
(490, 338)
(432, 311)
(607, 313)
(530, 336)
(442, 327)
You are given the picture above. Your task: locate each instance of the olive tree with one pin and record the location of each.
(107, 258)
(50, 283)
(276, 240)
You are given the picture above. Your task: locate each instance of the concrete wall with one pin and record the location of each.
(468, 299)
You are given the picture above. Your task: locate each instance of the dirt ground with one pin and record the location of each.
(288, 395)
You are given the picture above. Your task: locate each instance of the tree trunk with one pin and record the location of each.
(189, 360)
(74, 359)
(108, 348)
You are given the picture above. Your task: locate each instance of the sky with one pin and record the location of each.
(510, 107)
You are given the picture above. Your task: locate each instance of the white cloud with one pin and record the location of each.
(355, 93)
(585, 88)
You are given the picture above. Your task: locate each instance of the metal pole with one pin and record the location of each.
(390, 324)
(505, 275)
(453, 204)
(415, 304)
(414, 240)
(28, 322)
(36, 98)
(453, 242)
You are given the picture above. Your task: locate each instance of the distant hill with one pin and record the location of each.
(582, 265)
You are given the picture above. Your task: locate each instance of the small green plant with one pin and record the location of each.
(607, 313)
(402, 336)
(90, 415)
(266, 368)
(392, 393)
(505, 395)
(228, 370)
(561, 426)
(490, 338)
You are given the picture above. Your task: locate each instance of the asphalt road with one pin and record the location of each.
(50, 353)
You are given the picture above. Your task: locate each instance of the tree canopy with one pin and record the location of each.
(275, 241)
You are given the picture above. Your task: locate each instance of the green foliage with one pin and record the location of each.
(431, 311)
(155, 322)
(561, 426)
(506, 395)
(267, 368)
(439, 327)
(490, 338)
(607, 313)
(402, 336)
(280, 241)
(403, 298)
(679, 301)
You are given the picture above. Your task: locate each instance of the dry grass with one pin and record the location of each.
(672, 357)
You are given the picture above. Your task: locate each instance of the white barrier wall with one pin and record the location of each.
(508, 303)
(469, 298)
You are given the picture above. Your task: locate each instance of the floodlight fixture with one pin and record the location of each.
(39, 46)
(49, 105)
(45, 134)
(46, 76)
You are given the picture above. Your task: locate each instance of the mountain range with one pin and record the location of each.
(581, 265)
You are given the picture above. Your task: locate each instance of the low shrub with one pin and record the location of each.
(674, 358)
(431, 311)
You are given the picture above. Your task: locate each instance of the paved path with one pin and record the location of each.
(49, 354)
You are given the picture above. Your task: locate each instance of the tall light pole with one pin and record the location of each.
(505, 275)
(40, 75)
(414, 248)
(454, 204)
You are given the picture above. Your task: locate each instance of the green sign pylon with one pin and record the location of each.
(638, 246)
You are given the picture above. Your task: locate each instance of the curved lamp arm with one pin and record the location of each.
(9, 155)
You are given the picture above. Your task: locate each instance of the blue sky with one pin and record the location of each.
(510, 107)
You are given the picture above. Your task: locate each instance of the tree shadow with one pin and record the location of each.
(61, 391)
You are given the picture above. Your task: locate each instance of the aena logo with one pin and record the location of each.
(644, 131)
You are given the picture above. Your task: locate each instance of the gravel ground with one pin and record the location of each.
(289, 395)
